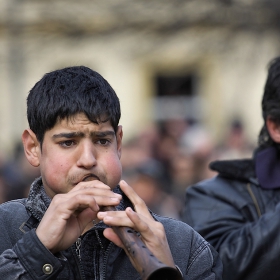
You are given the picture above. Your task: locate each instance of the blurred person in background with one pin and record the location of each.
(146, 179)
(141, 148)
(181, 149)
(238, 211)
(182, 174)
(168, 147)
(198, 143)
(17, 175)
(235, 143)
(190, 143)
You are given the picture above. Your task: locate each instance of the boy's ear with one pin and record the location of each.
(31, 147)
(119, 140)
(273, 128)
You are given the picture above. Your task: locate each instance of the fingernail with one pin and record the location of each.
(101, 214)
(115, 199)
(124, 182)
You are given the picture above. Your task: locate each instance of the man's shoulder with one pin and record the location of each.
(177, 230)
(13, 203)
(238, 169)
(231, 174)
(13, 207)
(212, 185)
(170, 222)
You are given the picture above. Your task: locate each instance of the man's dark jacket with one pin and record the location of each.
(240, 218)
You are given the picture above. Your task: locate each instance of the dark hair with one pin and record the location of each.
(270, 101)
(63, 93)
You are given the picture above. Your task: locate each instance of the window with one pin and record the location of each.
(176, 97)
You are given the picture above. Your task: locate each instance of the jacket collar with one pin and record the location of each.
(263, 169)
(38, 201)
(267, 167)
(242, 169)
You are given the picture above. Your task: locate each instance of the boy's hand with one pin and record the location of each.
(69, 214)
(152, 232)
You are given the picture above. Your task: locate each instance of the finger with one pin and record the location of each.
(136, 200)
(115, 218)
(102, 196)
(65, 205)
(82, 201)
(149, 230)
(127, 218)
(138, 224)
(91, 184)
(112, 236)
(153, 235)
(85, 217)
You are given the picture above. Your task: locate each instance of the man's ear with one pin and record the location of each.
(273, 128)
(119, 137)
(31, 147)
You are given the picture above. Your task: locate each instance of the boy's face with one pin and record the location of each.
(76, 148)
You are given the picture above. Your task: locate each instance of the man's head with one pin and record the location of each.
(63, 93)
(270, 132)
(74, 134)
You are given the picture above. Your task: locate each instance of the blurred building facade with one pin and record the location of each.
(200, 60)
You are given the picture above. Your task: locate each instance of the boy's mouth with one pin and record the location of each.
(90, 177)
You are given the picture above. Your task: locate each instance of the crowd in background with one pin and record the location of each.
(160, 162)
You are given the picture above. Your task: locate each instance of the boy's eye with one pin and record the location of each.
(103, 141)
(67, 143)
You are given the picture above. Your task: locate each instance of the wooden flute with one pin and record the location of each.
(149, 267)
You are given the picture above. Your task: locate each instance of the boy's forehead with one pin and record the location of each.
(81, 119)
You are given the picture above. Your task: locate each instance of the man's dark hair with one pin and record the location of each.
(270, 101)
(63, 93)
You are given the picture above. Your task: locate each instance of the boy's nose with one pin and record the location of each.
(87, 157)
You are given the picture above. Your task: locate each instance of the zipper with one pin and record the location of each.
(105, 258)
(102, 252)
(78, 248)
(77, 254)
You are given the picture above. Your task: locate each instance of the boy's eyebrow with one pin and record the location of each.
(68, 135)
(102, 133)
(81, 134)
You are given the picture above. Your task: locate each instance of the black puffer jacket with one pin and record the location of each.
(239, 218)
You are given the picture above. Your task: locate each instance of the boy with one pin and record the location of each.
(61, 231)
